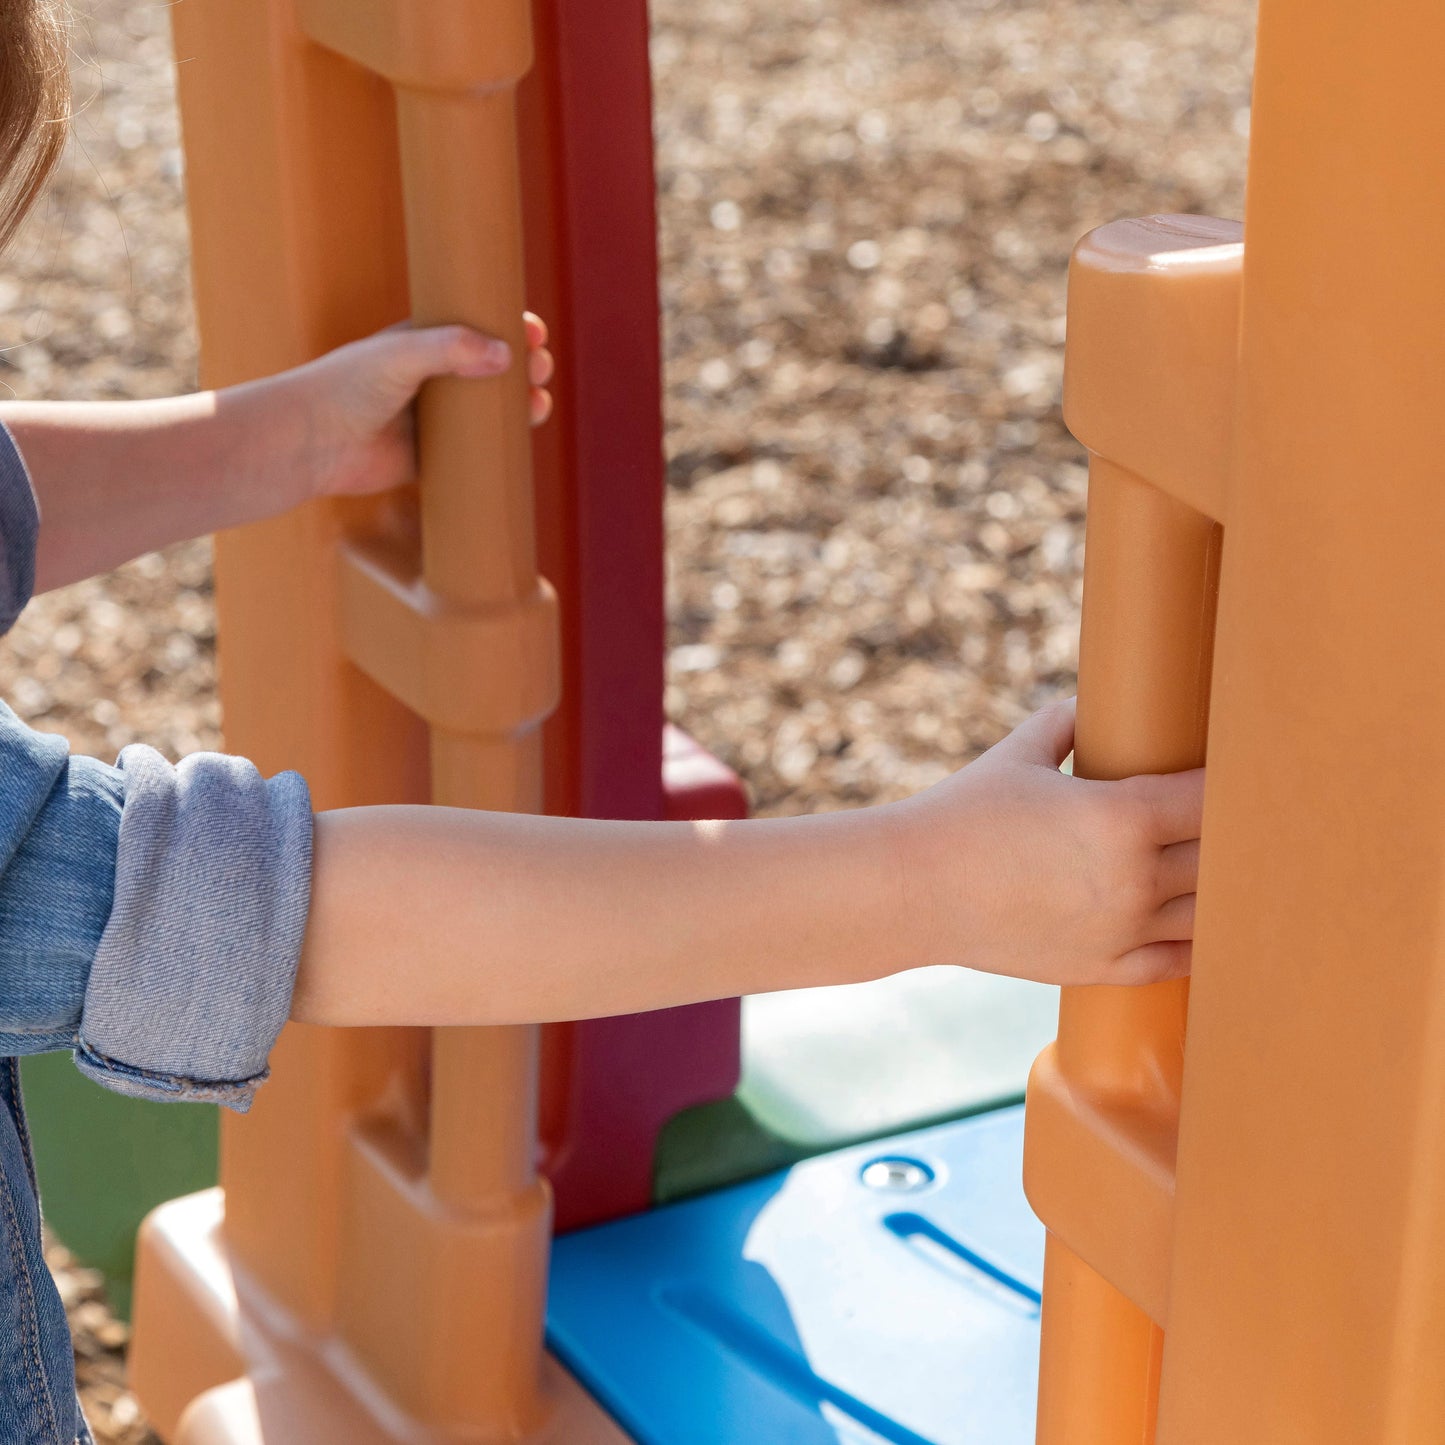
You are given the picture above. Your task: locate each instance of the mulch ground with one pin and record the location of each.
(875, 512)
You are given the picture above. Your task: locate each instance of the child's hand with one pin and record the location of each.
(351, 409)
(1024, 870)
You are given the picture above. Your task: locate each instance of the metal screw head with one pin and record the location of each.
(897, 1176)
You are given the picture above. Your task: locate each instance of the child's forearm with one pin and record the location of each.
(117, 479)
(441, 916)
(436, 915)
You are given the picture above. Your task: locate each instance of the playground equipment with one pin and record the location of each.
(379, 179)
(811, 1075)
(1245, 1236)
(386, 1187)
(1244, 1240)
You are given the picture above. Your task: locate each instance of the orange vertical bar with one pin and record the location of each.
(1149, 389)
(1099, 1358)
(293, 254)
(372, 1275)
(1307, 1299)
(455, 84)
(1149, 586)
(463, 208)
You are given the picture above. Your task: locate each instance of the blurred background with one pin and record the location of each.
(875, 513)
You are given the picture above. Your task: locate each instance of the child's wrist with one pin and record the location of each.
(275, 467)
(890, 910)
(909, 861)
(941, 877)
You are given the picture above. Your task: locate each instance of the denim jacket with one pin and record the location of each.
(150, 921)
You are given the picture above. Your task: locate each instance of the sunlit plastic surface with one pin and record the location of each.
(824, 1067)
(885, 1293)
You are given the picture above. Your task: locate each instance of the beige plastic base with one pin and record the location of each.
(216, 1363)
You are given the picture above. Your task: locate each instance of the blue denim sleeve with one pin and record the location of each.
(151, 916)
(59, 826)
(19, 531)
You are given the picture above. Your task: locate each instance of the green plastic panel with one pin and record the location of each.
(828, 1067)
(105, 1161)
(825, 1066)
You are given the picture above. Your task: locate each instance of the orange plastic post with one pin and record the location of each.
(1307, 1290)
(1273, 1197)
(377, 1272)
(456, 74)
(1152, 310)
(1106, 1099)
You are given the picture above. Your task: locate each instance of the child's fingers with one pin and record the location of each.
(375, 378)
(1154, 962)
(418, 354)
(539, 366)
(1178, 869)
(1175, 802)
(1175, 920)
(1045, 739)
(536, 329)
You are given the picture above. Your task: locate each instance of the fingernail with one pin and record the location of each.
(499, 353)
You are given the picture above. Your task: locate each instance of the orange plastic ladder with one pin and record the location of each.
(379, 1269)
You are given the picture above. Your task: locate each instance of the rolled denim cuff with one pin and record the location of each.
(19, 532)
(193, 977)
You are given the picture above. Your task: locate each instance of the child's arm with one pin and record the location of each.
(437, 915)
(119, 478)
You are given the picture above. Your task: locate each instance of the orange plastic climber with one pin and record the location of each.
(1247, 1234)
(384, 1220)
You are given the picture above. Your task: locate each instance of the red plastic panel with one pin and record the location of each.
(609, 1085)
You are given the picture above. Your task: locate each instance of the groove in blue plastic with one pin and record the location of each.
(783, 1366)
(924, 1235)
(810, 1309)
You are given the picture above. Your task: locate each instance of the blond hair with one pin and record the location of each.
(34, 103)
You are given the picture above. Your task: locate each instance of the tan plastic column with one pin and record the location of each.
(1307, 1299)
(1143, 701)
(377, 1269)
(464, 248)
(1149, 388)
(474, 1292)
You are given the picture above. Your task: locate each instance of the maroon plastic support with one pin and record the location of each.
(609, 1085)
